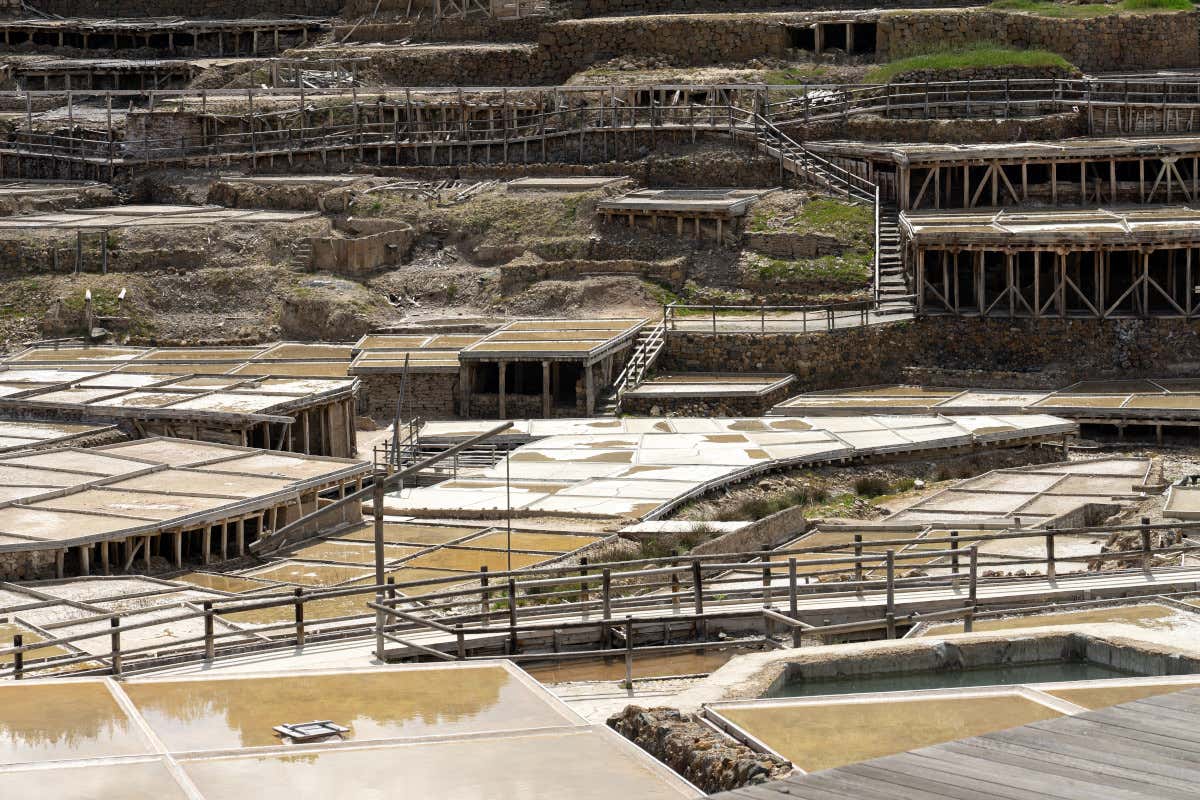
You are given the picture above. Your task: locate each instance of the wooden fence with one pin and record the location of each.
(526, 607)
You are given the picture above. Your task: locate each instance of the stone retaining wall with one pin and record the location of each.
(361, 254)
(593, 8)
(1077, 349)
(516, 277)
(1114, 42)
(873, 128)
(763, 534)
(710, 760)
(429, 395)
(793, 245)
(205, 9)
(983, 74)
(685, 39)
(984, 379)
(706, 406)
(453, 65)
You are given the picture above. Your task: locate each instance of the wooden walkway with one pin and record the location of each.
(1145, 750)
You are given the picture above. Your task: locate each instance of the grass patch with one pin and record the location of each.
(845, 272)
(756, 508)
(852, 223)
(1044, 8)
(794, 76)
(981, 56)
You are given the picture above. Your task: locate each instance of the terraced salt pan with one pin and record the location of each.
(823, 735)
(69, 720)
(1150, 616)
(1035, 494)
(307, 574)
(1105, 696)
(640, 468)
(138, 780)
(579, 764)
(191, 715)
(410, 533)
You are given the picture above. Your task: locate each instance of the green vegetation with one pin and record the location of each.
(1086, 10)
(843, 272)
(851, 223)
(979, 56)
(756, 508)
(795, 76)
(873, 486)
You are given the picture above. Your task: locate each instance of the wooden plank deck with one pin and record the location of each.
(1145, 750)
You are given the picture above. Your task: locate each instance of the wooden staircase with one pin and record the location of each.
(646, 349)
(894, 294)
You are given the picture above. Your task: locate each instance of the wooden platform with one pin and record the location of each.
(1148, 749)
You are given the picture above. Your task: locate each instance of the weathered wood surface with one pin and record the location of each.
(1145, 750)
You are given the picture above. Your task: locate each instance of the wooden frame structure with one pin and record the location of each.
(172, 36)
(212, 519)
(317, 418)
(1079, 172)
(593, 348)
(686, 208)
(1091, 264)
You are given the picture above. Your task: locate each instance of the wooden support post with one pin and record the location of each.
(697, 587)
(209, 644)
(114, 656)
(503, 370)
(240, 533)
(1051, 566)
(584, 595)
(891, 581)
(18, 641)
(675, 589)
(104, 558)
(206, 544)
(1147, 558)
(793, 601)
(973, 585)
(766, 578)
(546, 394)
(954, 552)
(606, 594)
(485, 597)
(60, 557)
(629, 652)
(299, 616)
(858, 554)
(85, 567)
(512, 616)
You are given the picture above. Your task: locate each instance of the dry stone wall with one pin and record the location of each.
(686, 39)
(432, 395)
(204, 9)
(1117, 41)
(754, 406)
(711, 761)
(518, 276)
(1076, 349)
(875, 128)
(591, 8)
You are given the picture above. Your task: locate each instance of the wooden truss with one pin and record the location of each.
(1061, 282)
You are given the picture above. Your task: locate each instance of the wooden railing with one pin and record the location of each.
(576, 110)
(536, 601)
(778, 318)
